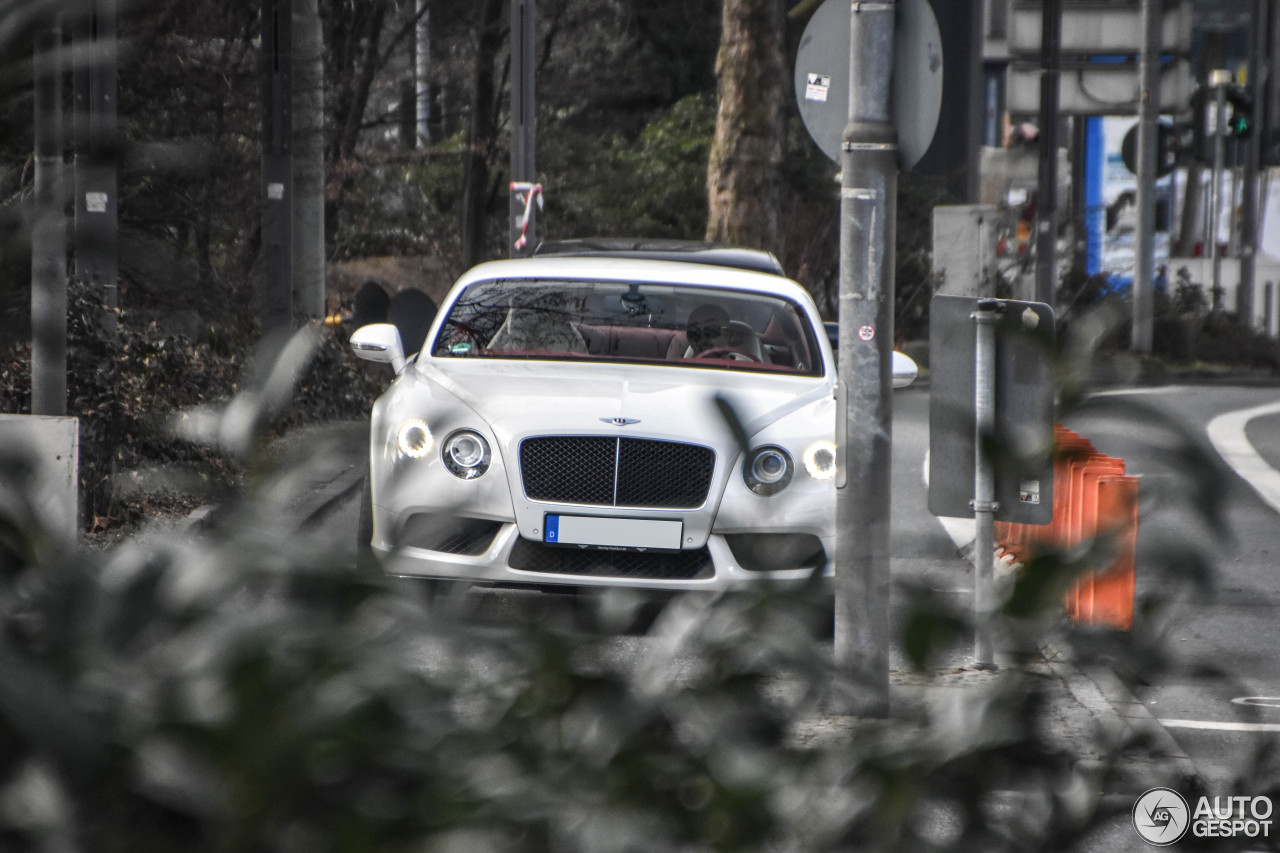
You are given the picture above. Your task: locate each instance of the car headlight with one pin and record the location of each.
(466, 454)
(767, 470)
(414, 439)
(820, 460)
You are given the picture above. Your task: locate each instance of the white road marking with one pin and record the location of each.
(1227, 434)
(1131, 392)
(1213, 726)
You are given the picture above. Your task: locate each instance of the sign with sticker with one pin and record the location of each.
(818, 87)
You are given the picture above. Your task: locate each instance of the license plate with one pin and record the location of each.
(632, 534)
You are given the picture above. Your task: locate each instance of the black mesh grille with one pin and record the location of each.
(531, 556)
(451, 534)
(626, 472)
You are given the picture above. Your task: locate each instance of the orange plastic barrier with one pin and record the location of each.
(1092, 497)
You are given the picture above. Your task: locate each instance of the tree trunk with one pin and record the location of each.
(365, 68)
(481, 134)
(308, 164)
(744, 181)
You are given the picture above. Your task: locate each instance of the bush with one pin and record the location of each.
(245, 689)
(127, 386)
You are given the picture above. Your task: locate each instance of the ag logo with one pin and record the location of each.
(1161, 817)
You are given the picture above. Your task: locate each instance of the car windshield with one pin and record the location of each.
(679, 325)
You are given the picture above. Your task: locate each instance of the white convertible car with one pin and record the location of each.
(655, 419)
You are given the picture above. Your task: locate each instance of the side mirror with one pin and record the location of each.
(379, 342)
(905, 370)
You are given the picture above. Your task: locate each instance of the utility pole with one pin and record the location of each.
(523, 234)
(96, 209)
(1046, 237)
(868, 207)
(277, 167)
(48, 238)
(1252, 149)
(1218, 82)
(1148, 117)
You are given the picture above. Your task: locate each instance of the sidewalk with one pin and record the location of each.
(1090, 699)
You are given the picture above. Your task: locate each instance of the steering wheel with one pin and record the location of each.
(727, 352)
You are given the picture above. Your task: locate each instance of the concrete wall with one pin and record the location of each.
(53, 446)
(1266, 291)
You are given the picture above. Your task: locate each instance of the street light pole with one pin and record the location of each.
(868, 206)
(1148, 116)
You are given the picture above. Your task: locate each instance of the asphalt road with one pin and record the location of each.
(1221, 699)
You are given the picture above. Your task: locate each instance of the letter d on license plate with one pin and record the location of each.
(599, 532)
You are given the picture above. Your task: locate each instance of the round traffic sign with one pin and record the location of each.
(822, 77)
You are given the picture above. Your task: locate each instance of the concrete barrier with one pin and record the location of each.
(52, 446)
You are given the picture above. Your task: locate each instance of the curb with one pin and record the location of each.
(331, 495)
(1125, 720)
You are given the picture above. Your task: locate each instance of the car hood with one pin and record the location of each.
(529, 398)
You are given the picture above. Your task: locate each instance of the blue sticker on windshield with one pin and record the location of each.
(460, 349)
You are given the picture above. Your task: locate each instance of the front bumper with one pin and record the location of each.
(493, 552)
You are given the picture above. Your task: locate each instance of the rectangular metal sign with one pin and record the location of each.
(1101, 89)
(1099, 29)
(1025, 388)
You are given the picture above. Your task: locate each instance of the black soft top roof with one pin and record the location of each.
(684, 251)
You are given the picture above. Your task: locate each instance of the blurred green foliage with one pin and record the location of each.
(126, 385)
(239, 686)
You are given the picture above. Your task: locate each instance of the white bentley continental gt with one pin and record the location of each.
(595, 417)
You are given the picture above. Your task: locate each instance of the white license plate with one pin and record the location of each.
(599, 532)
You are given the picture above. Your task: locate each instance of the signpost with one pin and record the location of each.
(853, 78)
(991, 414)
(525, 202)
(94, 126)
(822, 83)
(277, 168)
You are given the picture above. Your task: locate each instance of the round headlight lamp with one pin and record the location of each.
(466, 454)
(820, 460)
(414, 439)
(767, 470)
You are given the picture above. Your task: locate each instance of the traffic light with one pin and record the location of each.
(1240, 120)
